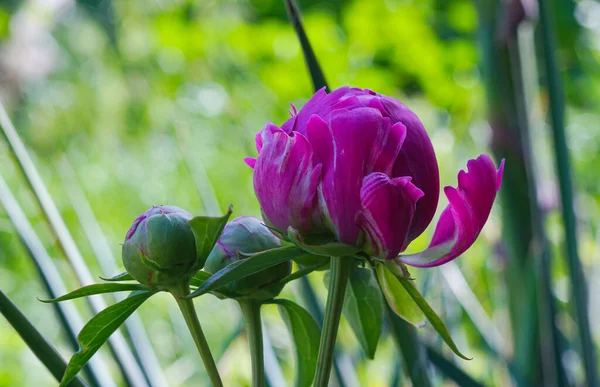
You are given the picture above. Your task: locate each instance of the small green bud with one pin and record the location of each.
(247, 235)
(160, 248)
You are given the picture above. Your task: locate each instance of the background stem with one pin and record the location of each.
(35, 341)
(251, 312)
(188, 311)
(340, 270)
(565, 180)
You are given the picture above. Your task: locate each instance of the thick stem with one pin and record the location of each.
(251, 312)
(188, 311)
(340, 270)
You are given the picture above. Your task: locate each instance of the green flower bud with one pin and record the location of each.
(160, 248)
(247, 235)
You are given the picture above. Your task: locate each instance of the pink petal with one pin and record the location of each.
(354, 144)
(417, 160)
(286, 179)
(388, 206)
(320, 103)
(258, 140)
(464, 217)
(250, 161)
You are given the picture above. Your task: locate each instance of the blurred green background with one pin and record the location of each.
(134, 103)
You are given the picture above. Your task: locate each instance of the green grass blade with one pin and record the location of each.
(97, 371)
(198, 174)
(468, 300)
(316, 74)
(413, 352)
(134, 328)
(537, 353)
(122, 353)
(565, 180)
(450, 370)
(38, 344)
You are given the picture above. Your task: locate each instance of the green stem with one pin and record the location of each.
(340, 270)
(251, 312)
(188, 311)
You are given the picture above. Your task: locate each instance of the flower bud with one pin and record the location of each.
(160, 248)
(247, 235)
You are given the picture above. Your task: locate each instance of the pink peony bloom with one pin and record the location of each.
(360, 165)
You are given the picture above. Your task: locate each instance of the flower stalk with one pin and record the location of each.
(188, 311)
(251, 312)
(340, 271)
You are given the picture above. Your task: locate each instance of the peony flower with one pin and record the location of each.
(360, 166)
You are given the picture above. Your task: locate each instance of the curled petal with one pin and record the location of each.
(464, 217)
(286, 180)
(388, 206)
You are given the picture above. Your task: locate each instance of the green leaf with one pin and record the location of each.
(199, 278)
(301, 272)
(398, 298)
(316, 74)
(321, 246)
(119, 277)
(90, 290)
(363, 307)
(306, 335)
(97, 331)
(433, 318)
(206, 231)
(38, 344)
(246, 267)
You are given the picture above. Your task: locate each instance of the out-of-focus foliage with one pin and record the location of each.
(181, 88)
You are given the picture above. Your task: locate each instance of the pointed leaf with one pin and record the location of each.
(306, 335)
(206, 231)
(119, 277)
(325, 247)
(199, 278)
(398, 298)
(363, 307)
(246, 267)
(90, 290)
(433, 318)
(97, 331)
